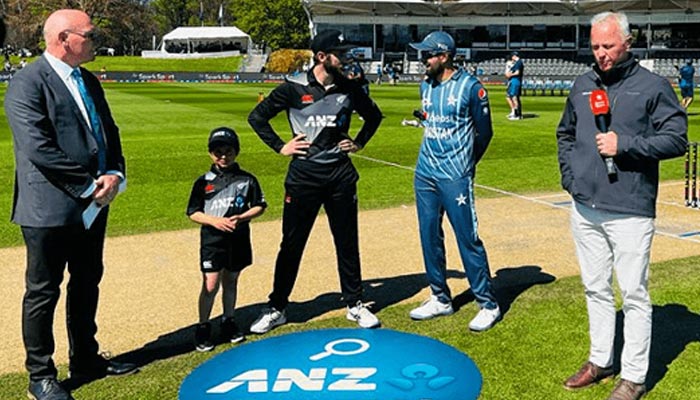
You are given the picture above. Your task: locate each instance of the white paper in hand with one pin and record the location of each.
(93, 210)
(91, 213)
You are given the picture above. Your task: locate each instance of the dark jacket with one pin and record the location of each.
(650, 124)
(55, 151)
(322, 115)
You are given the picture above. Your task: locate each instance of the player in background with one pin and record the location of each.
(515, 82)
(686, 83)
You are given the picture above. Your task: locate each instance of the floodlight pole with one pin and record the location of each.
(305, 5)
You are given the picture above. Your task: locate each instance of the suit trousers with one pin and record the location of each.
(301, 207)
(607, 241)
(49, 251)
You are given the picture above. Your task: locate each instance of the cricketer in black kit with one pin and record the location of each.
(319, 107)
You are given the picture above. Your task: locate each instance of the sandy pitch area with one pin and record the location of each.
(152, 281)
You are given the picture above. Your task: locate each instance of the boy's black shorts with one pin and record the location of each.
(232, 252)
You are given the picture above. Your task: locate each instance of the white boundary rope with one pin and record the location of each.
(536, 200)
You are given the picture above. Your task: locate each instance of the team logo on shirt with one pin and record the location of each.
(320, 121)
(239, 202)
(307, 99)
(222, 203)
(482, 94)
(209, 188)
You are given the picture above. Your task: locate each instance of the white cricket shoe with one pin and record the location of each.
(268, 319)
(431, 308)
(362, 315)
(485, 319)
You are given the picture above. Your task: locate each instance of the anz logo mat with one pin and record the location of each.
(337, 364)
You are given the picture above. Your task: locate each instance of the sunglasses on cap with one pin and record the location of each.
(426, 55)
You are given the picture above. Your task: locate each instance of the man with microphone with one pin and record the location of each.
(612, 214)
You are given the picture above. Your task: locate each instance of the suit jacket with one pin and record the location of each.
(55, 150)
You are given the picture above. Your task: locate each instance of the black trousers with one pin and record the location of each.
(337, 193)
(49, 250)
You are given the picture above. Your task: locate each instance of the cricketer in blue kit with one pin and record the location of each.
(457, 131)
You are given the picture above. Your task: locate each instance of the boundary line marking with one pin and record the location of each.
(536, 200)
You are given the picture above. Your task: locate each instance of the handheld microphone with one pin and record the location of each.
(600, 107)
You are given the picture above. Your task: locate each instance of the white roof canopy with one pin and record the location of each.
(185, 33)
(494, 7)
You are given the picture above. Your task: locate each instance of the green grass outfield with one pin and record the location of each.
(165, 127)
(544, 337)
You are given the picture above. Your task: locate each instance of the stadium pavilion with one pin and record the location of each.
(554, 33)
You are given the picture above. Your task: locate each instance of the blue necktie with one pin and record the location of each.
(94, 120)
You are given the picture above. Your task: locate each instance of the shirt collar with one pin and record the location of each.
(233, 169)
(455, 76)
(62, 69)
(618, 72)
(458, 72)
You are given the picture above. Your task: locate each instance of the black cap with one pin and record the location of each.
(514, 53)
(330, 40)
(224, 136)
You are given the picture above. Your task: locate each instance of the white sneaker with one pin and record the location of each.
(513, 118)
(268, 319)
(431, 308)
(362, 315)
(485, 319)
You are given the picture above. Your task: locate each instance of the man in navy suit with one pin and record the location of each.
(67, 155)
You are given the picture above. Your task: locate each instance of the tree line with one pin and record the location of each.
(129, 26)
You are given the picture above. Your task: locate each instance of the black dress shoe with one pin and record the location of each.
(47, 389)
(109, 367)
(117, 368)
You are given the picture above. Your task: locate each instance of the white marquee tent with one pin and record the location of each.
(201, 42)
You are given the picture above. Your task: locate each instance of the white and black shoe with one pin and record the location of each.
(268, 319)
(362, 315)
(230, 331)
(202, 337)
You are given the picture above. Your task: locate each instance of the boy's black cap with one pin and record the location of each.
(327, 41)
(514, 54)
(224, 136)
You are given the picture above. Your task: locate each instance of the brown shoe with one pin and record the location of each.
(588, 375)
(626, 390)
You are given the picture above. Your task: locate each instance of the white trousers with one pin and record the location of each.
(606, 241)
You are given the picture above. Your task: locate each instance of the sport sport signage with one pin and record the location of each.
(337, 364)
